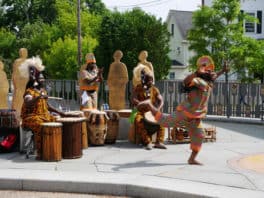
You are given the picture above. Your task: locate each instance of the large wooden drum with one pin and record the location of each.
(71, 137)
(84, 126)
(112, 126)
(150, 123)
(86, 113)
(97, 125)
(124, 113)
(9, 118)
(51, 141)
(124, 124)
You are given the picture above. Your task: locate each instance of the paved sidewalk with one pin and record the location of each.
(125, 169)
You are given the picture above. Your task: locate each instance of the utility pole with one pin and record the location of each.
(79, 58)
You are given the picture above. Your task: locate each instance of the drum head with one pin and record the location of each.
(150, 123)
(71, 119)
(51, 124)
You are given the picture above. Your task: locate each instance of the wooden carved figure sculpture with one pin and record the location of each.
(142, 57)
(117, 80)
(4, 87)
(19, 82)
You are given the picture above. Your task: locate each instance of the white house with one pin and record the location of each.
(179, 22)
(254, 8)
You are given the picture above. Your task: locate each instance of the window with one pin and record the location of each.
(172, 75)
(250, 26)
(259, 25)
(172, 29)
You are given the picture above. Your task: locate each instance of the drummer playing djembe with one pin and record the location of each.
(35, 108)
(147, 91)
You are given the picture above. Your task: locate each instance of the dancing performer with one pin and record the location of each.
(90, 77)
(142, 92)
(194, 108)
(35, 108)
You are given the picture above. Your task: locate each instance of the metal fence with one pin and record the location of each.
(231, 100)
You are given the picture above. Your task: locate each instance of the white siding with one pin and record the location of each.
(251, 6)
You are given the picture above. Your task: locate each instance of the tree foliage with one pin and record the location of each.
(96, 7)
(132, 32)
(7, 44)
(21, 12)
(64, 66)
(48, 28)
(48, 40)
(218, 31)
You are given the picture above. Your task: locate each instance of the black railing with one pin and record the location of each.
(244, 100)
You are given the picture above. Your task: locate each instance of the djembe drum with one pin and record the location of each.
(124, 113)
(112, 126)
(150, 123)
(71, 137)
(9, 125)
(97, 125)
(124, 124)
(86, 113)
(51, 141)
(84, 126)
(9, 118)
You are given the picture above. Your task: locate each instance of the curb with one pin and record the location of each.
(117, 184)
(235, 119)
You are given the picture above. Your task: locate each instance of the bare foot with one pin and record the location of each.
(194, 162)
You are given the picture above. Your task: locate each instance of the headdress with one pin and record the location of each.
(137, 73)
(29, 64)
(207, 62)
(90, 58)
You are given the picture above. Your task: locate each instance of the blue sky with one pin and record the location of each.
(159, 8)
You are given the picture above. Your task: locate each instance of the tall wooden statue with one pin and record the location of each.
(142, 57)
(4, 88)
(19, 82)
(117, 80)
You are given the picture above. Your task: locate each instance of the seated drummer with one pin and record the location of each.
(147, 91)
(35, 108)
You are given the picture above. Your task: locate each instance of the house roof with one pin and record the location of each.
(183, 19)
(176, 62)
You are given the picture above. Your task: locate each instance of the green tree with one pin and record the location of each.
(20, 12)
(95, 7)
(61, 58)
(38, 37)
(218, 31)
(7, 46)
(67, 19)
(132, 32)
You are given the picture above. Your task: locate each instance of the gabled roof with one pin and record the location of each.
(183, 19)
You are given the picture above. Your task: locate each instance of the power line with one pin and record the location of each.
(144, 4)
